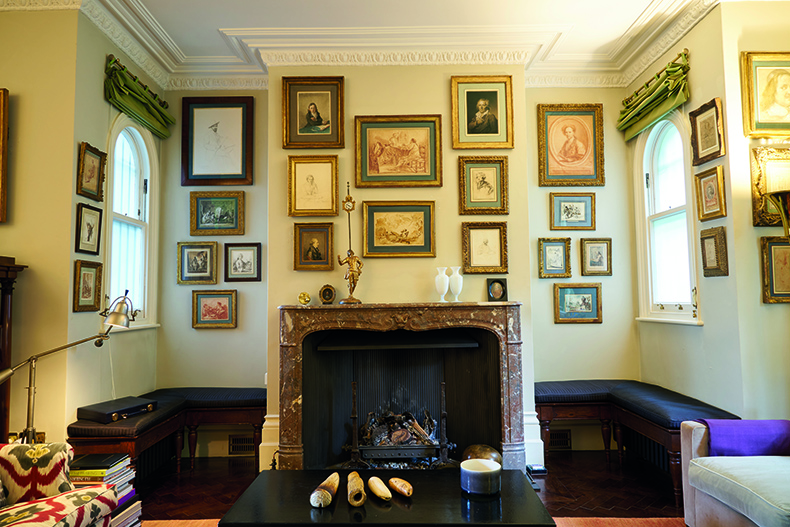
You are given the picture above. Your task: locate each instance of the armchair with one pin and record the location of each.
(36, 490)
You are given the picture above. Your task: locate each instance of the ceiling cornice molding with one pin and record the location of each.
(39, 5)
(574, 80)
(392, 57)
(225, 82)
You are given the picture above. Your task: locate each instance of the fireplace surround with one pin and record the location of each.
(492, 325)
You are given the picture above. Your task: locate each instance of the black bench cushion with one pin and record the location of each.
(576, 391)
(214, 397)
(168, 406)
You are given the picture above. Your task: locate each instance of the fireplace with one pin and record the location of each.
(399, 354)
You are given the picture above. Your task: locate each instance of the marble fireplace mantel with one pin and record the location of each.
(503, 319)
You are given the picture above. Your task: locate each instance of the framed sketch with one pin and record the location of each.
(776, 269)
(313, 113)
(398, 151)
(197, 262)
(709, 188)
(312, 186)
(714, 252)
(570, 145)
(596, 254)
(572, 211)
(483, 184)
(87, 286)
(242, 262)
(554, 257)
(88, 229)
(766, 98)
(216, 213)
(90, 172)
(314, 246)
(484, 247)
(398, 229)
(765, 160)
(217, 140)
(577, 304)
(496, 289)
(707, 132)
(482, 111)
(214, 309)
(4, 97)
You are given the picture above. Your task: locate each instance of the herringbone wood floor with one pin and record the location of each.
(579, 484)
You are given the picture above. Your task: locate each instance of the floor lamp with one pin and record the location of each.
(119, 313)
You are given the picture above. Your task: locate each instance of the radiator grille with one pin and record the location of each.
(560, 440)
(240, 445)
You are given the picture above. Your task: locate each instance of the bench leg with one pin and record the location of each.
(675, 470)
(192, 445)
(618, 436)
(606, 431)
(545, 436)
(179, 438)
(257, 434)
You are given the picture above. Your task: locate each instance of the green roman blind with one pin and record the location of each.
(125, 92)
(663, 93)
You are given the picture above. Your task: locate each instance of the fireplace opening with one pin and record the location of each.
(399, 372)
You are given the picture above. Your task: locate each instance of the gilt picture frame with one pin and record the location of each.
(578, 303)
(313, 112)
(484, 247)
(713, 243)
(89, 228)
(711, 198)
(216, 213)
(314, 248)
(312, 186)
(482, 111)
(572, 211)
(91, 172)
(197, 263)
(764, 159)
(766, 107)
(775, 256)
(87, 286)
(570, 145)
(483, 182)
(243, 262)
(707, 132)
(398, 229)
(4, 98)
(214, 309)
(596, 256)
(554, 257)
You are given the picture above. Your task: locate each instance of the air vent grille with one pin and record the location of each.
(240, 445)
(560, 440)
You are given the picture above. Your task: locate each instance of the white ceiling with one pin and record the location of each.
(202, 44)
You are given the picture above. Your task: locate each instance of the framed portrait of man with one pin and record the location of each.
(313, 112)
(482, 111)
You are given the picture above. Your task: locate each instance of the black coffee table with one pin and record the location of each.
(282, 497)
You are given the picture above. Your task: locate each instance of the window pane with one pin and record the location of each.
(126, 178)
(127, 262)
(670, 259)
(669, 185)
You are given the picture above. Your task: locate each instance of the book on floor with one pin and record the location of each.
(98, 464)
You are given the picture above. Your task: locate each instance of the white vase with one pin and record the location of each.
(456, 282)
(442, 282)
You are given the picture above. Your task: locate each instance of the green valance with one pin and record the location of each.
(125, 92)
(669, 89)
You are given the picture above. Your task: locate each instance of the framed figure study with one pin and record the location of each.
(482, 111)
(483, 184)
(88, 229)
(709, 186)
(216, 213)
(484, 247)
(312, 186)
(313, 112)
(398, 229)
(570, 145)
(596, 254)
(707, 132)
(197, 262)
(214, 309)
(554, 257)
(243, 262)
(87, 286)
(90, 172)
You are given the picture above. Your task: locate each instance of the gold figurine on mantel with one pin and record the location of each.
(353, 261)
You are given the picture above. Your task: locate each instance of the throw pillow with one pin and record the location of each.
(30, 472)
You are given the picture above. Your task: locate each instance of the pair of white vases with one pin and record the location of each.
(454, 282)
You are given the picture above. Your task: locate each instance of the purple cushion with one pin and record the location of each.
(748, 437)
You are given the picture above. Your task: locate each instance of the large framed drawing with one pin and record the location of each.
(709, 189)
(216, 213)
(214, 309)
(88, 239)
(483, 184)
(313, 112)
(398, 150)
(554, 257)
(713, 242)
(87, 286)
(3, 154)
(197, 263)
(765, 87)
(217, 140)
(398, 229)
(571, 211)
(577, 304)
(312, 186)
(766, 159)
(482, 111)
(314, 246)
(570, 145)
(776, 269)
(707, 132)
(484, 247)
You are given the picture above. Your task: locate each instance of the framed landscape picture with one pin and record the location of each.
(243, 262)
(596, 255)
(570, 145)
(214, 309)
(398, 229)
(217, 140)
(90, 172)
(484, 247)
(313, 112)
(314, 247)
(572, 211)
(709, 189)
(577, 304)
(398, 151)
(766, 99)
(764, 160)
(88, 229)
(87, 286)
(482, 111)
(197, 262)
(776, 269)
(312, 186)
(714, 252)
(216, 213)
(707, 132)
(554, 257)
(483, 184)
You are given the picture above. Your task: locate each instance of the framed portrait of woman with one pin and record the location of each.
(570, 145)
(313, 112)
(765, 85)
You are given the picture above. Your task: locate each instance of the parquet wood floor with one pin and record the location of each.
(579, 484)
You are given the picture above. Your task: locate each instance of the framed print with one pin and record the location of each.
(87, 286)
(714, 252)
(709, 188)
(197, 262)
(572, 211)
(776, 269)
(313, 113)
(483, 184)
(312, 186)
(88, 229)
(398, 151)
(570, 145)
(765, 86)
(4, 97)
(90, 172)
(327, 294)
(313, 246)
(554, 257)
(398, 229)
(482, 111)
(242, 262)
(484, 247)
(596, 254)
(577, 304)
(216, 213)
(766, 160)
(217, 140)
(707, 132)
(214, 309)
(496, 289)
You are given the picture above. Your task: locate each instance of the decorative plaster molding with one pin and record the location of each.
(393, 57)
(39, 5)
(178, 82)
(574, 80)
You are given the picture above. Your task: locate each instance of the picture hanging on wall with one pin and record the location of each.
(764, 160)
(243, 262)
(572, 211)
(482, 111)
(496, 289)
(398, 229)
(312, 186)
(709, 189)
(577, 304)
(596, 255)
(570, 145)
(87, 286)
(714, 252)
(483, 184)
(216, 213)
(214, 309)
(554, 257)
(88, 229)
(313, 112)
(765, 78)
(197, 262)
(314, 246)
(707, 132)
(90, 172)
(776, 269)
(484, 247)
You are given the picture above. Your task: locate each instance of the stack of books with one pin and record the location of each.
(110, 469)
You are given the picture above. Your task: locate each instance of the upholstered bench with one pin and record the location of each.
(176, 408)
(647, 409)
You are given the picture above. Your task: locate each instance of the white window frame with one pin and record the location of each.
(650, 311)
(148, 317)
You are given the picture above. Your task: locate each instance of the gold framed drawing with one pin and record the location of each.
(312, 186)
(570, 145)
